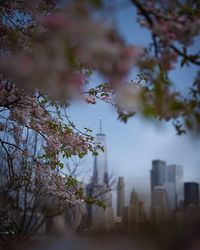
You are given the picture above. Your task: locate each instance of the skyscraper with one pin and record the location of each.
(100, 173)
(160, 204)
(191, 194)
(158, 173)
(174, 185)
(99, 218)
(120, 196)
(171, 178)
(142, 214)
(133, 211)
(134, 198)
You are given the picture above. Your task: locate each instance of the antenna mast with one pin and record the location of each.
(100, 124)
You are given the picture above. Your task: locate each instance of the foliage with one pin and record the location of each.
(49, 51)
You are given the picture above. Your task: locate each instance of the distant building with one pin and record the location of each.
(191, 194)
(125, 216)
(75, 215)
(174, 185)
(134, 214)
(171, 178)
(158, 173)
(133, 218)
(133, 211)
(120, 196)
(142, 214)
(98, 217)
(134, 198)
(158, 178)
(160, 204)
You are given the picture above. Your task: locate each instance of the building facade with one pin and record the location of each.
(191, 194)
(160, 204)
(158, 173)
(174, 185)
(171, 178)
(120, 196)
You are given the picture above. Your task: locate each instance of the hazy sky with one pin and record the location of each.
(132, 146)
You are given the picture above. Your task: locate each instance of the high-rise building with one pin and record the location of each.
(99, 218)
(158, 173)
(134, 214)
(174, 185)
(120, 196)
(142, 214)
(171, 178)
(133, 211)
(100, 174)
(160, 204)
(134, 198)
(191, 194)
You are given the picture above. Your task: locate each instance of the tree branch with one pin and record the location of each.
(180, 53)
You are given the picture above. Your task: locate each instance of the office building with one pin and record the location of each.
(174, 185)
(160, 204)
(120, 196)
(191, 194)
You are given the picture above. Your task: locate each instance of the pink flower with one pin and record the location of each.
(90, 99)
(53, 144)
(132, 52)
(105, 97)
(54, 22)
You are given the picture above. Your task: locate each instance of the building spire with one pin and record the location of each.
(100, 124)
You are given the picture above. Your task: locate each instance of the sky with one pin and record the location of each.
(132, 146)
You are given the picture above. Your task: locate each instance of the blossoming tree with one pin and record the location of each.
(48, 52)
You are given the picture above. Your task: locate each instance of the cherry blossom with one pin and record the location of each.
(47, 57)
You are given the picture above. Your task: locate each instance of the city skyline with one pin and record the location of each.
(126, 151)
(166, 182)
(139, 178)
(171, 198)
(142, 187)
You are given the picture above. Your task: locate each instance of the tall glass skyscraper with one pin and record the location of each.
(171, 178)
(100, 174)
(191, 194)
(158, 173)
(120, 196)
(174, 185)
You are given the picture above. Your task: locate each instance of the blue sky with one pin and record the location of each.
(132, 146)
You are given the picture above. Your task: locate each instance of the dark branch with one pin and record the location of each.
(180, 53)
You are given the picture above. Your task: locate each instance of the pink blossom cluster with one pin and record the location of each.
(105, 97)
(64, 49)
(53, 74)
(168, 24)
(180, 28)
(56, 184)
(29, 112)
(91, 99)
(6, 96)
